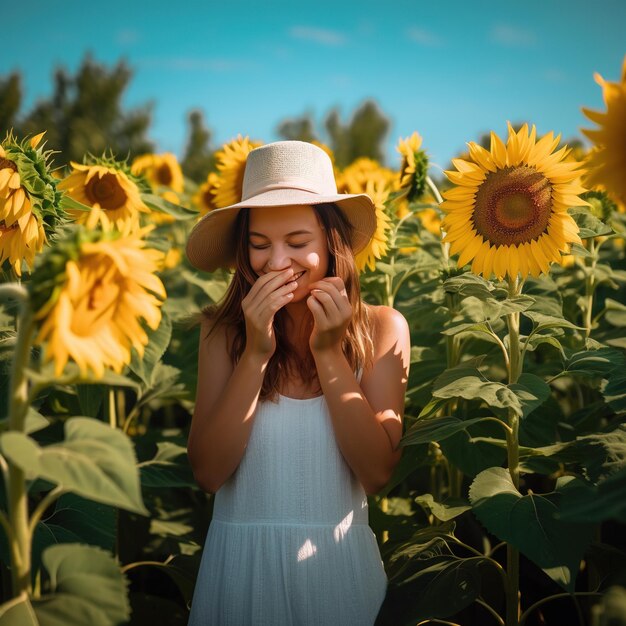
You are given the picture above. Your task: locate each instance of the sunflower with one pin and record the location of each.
(205, 197)
(414, 166)
(17, 243)
(102, 289)
(377, 246)
(231, 164)
(161, 170)
(29, 201)
(354, 178)
(607, 162)
(508, 212)
(110, 191)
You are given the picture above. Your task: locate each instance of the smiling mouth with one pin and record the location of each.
(298, 275)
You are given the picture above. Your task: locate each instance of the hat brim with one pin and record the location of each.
(210, 244)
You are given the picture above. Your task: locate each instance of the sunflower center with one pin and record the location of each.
(513, 205)
(106, 191)
(164, 175)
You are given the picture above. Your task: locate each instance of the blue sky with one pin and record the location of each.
(450, 70)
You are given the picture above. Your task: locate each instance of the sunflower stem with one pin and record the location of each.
(445, 247)
(590, 287)
(512, 444)
(112, 412)
(17, 494)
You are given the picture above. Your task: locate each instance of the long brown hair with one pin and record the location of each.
(228, 314)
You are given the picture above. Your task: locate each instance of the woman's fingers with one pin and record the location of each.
(331, 293)
(268, 283)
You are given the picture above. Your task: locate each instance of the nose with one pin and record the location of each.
(278, 259)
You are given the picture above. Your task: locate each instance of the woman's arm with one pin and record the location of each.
(226, 399)
(227, 396)
(367, 417)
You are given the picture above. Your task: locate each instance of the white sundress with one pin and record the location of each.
(289, 543)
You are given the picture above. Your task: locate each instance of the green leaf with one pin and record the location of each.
(95, 461)
(529, 523)
(158, 341)
(536, 340)
(472, 285)
(577, 250)
(431, 580)
(595, 363)
(466, 327)
(169, 468)
(607, 501)
(437, 429)
(86, 574)
(614, 390)
(157, 203)
(546, 322)
(69, 204)
(71, 375)
(588, 223)
(91, 398)
(474, 450)
(615, 313)
(444, 511)
(465, 381)
(212, 287)
(532, 392)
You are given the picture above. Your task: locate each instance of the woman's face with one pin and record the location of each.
(282, 237)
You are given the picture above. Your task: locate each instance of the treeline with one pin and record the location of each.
(84, 114)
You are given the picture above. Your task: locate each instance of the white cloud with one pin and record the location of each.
(423, 37)
(512, 36)
(322, 36)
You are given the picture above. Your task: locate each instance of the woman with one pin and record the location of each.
(300, 401)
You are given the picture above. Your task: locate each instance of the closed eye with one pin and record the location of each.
(291, 245)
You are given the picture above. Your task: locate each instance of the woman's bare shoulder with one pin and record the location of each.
(216, 332)
(387, 323)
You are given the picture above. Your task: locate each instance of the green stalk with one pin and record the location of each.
(17, 493)
(512, 444)
(589, 287)
(445, 247)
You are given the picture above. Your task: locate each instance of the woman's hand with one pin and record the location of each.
(332, 313)
(269, 293)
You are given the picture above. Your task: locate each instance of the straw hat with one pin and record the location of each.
(279, 174)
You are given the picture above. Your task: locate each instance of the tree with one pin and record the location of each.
(85, 115)
(361, 137)
(198, 159)
(298, 128)
(10, 100)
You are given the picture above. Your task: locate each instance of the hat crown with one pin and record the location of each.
(288, 165)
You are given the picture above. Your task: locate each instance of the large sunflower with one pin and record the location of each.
(508, 212)
(114, 197)
(377, 246)
(607, 162)
(231, 164)
(92, 316)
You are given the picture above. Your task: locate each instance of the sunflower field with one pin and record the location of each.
(509, 504)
